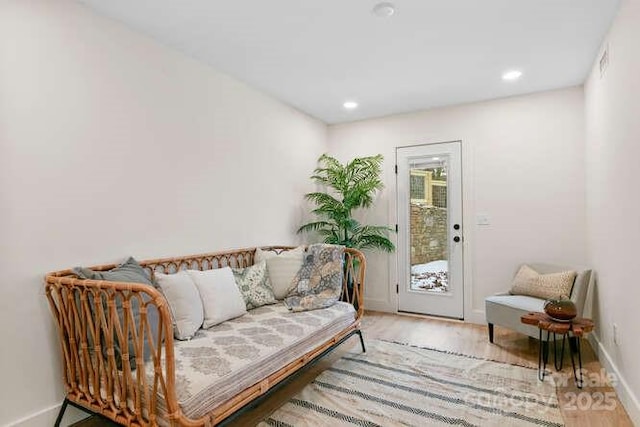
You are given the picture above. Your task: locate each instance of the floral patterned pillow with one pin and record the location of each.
(318, 284)
(254, 285)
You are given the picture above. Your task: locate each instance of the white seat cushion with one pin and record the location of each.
(220, 362)
(519, 302)
(506, 310)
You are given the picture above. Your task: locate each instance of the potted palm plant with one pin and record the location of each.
(349, 187)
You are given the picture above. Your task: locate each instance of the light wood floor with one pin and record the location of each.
(509, 347)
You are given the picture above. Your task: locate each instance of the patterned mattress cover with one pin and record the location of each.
(221, 361)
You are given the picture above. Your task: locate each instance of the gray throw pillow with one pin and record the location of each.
(129, 271)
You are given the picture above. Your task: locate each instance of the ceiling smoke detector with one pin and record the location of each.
(384, 9)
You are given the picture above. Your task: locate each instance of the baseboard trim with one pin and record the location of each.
(47, 417)
(476, 316)
(625, 394)
(379, 305)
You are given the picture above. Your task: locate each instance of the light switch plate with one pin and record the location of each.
(482, 219)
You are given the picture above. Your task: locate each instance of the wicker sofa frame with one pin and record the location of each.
(89, 328)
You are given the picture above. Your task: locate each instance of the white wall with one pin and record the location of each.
(523, 164)
(613, 152)
(110, 145)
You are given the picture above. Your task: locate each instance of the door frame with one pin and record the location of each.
(426, 303)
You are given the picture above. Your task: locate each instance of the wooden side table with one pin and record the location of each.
(575, 329)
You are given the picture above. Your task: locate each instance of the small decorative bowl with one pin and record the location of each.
(561, 310)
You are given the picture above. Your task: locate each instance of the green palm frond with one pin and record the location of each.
(329, 232)
(316, 226)
(373, 236)
(325, 202)
(374, 242)
(377, 230)
(350, 186)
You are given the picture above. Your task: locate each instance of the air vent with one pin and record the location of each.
(604, 61)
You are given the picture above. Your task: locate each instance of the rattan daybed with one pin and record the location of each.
(160, 390)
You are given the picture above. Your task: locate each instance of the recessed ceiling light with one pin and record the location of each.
(384, 9)
(350, 105)
(512, 75)
(436, 158)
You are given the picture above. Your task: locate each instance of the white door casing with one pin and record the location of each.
(449, 303)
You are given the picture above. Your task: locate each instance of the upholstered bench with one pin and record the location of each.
(505, 309)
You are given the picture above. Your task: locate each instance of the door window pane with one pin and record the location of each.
(428, 222)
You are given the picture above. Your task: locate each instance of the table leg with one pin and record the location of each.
(543, 355)
(546, 349)
(555, 352)
(579, 381)
(572, 344)
(540, 371)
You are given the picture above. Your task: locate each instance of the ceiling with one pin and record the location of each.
(317, 54)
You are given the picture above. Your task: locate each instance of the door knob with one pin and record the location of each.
(456, 239)
(456, 226)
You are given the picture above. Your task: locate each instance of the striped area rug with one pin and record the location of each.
(398, 385)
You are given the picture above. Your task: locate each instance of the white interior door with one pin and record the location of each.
(430, 267)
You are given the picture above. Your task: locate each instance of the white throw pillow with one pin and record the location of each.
(220, 296)
(184, 303)
(282, 268)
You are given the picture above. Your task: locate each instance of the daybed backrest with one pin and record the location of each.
(238, 258)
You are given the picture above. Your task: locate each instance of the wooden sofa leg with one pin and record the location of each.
(359, 332)
(491, 333)
(61, 413)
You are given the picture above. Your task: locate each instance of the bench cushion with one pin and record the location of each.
(506, 310)
(221, 361)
